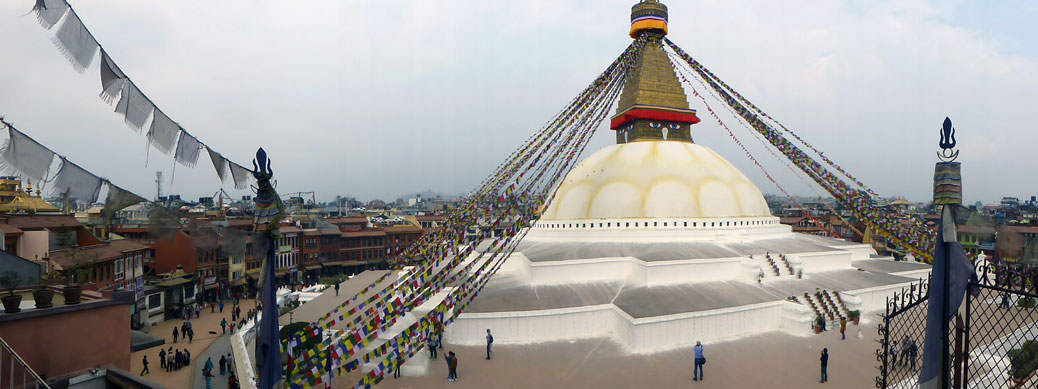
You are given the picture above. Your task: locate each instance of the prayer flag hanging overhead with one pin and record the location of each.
(76, 183)
(117, 199)
(188, 149)
(219, 162)
(240, 175)
(134, 106)
(75, 42)
(79, 46)
(163, 133)
(25, 155)
(112, 78)
(49, 12)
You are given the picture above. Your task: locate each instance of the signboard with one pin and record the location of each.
(285, 248)
(210, 280)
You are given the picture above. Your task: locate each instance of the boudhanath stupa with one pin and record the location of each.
(658, 241)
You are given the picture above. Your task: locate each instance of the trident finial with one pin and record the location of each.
(947, 142)
(261, 166)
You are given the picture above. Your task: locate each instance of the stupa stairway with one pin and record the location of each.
(785, 262)
(774, 267)
(841, 311)
(811, 303)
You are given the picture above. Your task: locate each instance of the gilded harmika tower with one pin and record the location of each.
(653, 106)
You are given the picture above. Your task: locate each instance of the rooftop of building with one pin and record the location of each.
(96, 253)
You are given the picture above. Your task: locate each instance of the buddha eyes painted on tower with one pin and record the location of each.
(654, 125)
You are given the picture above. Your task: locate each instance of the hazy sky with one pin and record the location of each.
(381, 98)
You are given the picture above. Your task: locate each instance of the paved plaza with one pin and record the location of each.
(203, 339)
(770, 360)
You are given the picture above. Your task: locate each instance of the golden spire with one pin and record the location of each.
(653, 105)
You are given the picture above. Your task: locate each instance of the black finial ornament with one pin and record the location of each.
(947, 143)
(268, 210)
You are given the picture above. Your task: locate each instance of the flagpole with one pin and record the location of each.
(947, 194)
(267, 214)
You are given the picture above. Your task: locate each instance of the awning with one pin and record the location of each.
(240, 281)
(313, 267)
(343, 263)
(174, 282)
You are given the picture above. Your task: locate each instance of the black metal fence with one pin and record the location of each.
(992, 337)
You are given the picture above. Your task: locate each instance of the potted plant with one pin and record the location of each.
(1023, 362)
(854, 315)
(73, 274)
(44, 297)
(819, 322)
(10, 280)
(1026, 302)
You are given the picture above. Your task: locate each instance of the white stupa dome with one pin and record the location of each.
(655, 179)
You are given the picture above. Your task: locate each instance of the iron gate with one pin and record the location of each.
(992, 335)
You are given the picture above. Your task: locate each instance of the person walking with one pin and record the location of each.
(208, 366)
(825, 365)
(397, 363)
(221, 307)
(208, 379)
(336, 289)
(212, 307)
(490, 342)
(912, 353)
(223, 325)
(893, 354)
(223, 365)
(198, 312)
(145, 362)
(698, 361)
(178, 360)
(162, 359)
(175, 333)
(431, 344)
(843, 328)
(453, 365)
(190, 334)
(447, 360)
(169, 360)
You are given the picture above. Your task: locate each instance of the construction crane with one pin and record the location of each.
(292, 195)
(219, 196)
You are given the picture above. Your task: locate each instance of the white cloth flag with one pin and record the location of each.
(163, 133)
(112, 78)
(188, 149)
(240, 176)
(219, 162)
(79, 184)
(49, 12)
(134, 106)
(75, 42)
(26, 156)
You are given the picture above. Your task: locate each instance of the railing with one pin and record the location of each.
(14, 372)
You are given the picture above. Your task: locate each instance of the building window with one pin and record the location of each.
(119, 270)
(155, 301)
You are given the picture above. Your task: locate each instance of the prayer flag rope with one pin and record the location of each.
(900, 229)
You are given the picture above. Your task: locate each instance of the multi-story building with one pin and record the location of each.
(287, 254)
(976, 239)
(1017, 243)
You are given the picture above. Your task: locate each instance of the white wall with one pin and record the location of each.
(817, 262)
(875, 299)
(647, 335)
